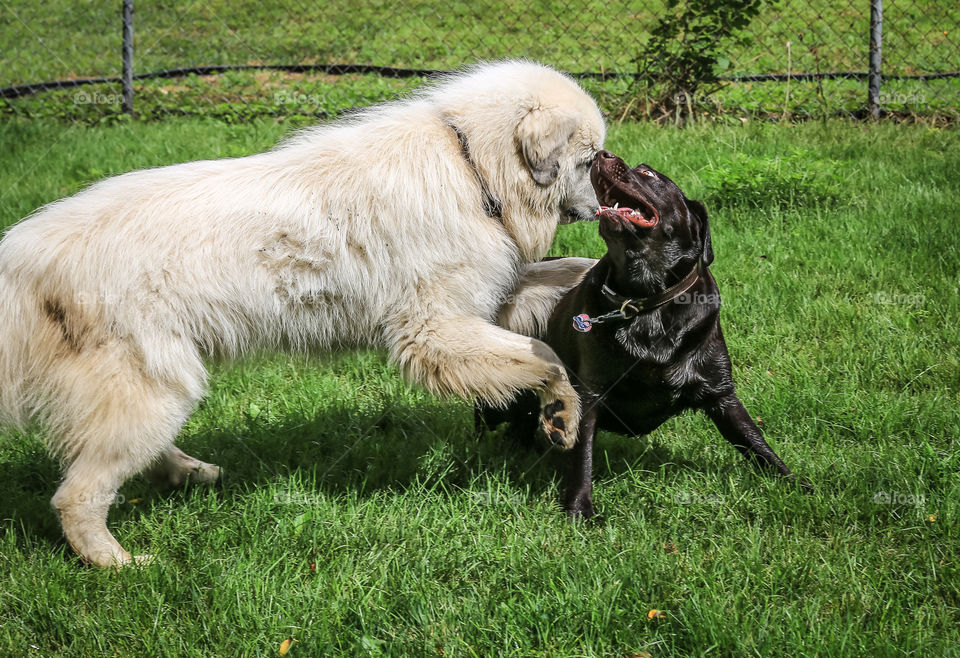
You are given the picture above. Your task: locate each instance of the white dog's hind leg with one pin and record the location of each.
(123, 447)
(110, 428)
(469, 357)
(176, 468)
(83, 501)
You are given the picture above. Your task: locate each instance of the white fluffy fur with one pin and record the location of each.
(365, 232)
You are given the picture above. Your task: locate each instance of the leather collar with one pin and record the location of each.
(491, 205)
(654, 301)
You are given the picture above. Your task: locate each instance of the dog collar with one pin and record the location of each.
(491, 205)
(631, 306)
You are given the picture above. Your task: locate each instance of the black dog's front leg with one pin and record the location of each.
(579, 495)
(737, 427)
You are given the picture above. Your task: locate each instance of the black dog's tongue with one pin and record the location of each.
(629, 214)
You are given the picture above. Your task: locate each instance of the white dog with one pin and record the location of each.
(404, 227)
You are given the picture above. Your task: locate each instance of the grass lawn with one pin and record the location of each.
(361, 516)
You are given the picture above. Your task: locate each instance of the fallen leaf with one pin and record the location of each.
(932, 518)
(285, 646)
(655, 614)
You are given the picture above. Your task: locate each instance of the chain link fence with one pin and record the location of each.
(796, 59)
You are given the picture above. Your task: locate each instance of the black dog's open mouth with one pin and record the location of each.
(619, 196)
(645, 217)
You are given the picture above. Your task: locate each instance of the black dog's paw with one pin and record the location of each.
(804, 484)
(580, 508)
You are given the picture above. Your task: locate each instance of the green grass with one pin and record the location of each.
(360, 516)
(69, 39)
(65, 39)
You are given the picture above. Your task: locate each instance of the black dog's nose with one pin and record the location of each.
(604, 154)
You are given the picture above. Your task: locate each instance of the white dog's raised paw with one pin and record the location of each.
(555, 420)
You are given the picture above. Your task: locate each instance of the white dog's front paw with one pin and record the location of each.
(205, 474)
(559, 421)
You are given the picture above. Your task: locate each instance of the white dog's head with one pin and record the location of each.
(532, 134)
(558, 143)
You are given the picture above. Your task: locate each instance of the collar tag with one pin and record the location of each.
(582, 323)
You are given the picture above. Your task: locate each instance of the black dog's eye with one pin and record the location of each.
(647, 172)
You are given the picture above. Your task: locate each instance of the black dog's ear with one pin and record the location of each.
(700, 211)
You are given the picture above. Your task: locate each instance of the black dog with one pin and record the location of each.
(640, 335)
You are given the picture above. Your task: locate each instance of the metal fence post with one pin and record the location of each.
(128, 56)
(876, 36)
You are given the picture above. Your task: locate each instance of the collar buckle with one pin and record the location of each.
(630, 307)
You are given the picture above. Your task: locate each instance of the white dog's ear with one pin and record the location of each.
(542, 135)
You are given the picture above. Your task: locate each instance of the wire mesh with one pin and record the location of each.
(796, 58)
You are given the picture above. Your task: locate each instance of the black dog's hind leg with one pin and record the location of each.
(737, 427)
(486, 417)
(522, 416)
(579, 486)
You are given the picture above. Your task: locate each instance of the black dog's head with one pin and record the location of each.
(651, 229)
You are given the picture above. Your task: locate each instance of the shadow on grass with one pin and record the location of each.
(343, 450)
(398, 446)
